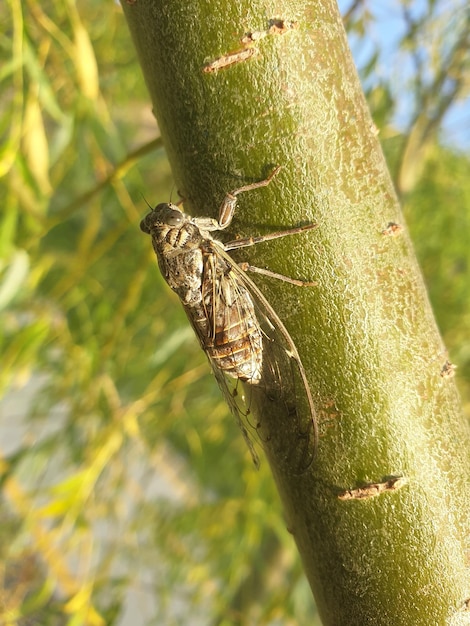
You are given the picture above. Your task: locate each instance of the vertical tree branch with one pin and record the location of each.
(387, 407)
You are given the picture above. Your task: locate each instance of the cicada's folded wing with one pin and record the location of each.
(257, 365)
(229, 333)
(238, 396)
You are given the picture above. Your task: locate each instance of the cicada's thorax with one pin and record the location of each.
(180, 260)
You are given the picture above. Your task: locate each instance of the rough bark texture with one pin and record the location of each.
(386, 405)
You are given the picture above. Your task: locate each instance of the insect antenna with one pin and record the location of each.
(146, 201)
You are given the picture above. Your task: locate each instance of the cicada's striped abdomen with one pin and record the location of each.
(236, 346)
(227, 325)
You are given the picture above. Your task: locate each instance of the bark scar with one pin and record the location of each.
(229, 59)
(448, 370)
(276, 26)
(392, 230)
(371, 490)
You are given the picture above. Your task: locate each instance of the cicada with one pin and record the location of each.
(252, 355)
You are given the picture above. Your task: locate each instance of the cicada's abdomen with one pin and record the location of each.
(226, 323)
(235, 345)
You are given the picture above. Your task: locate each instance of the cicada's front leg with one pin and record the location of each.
(229, 203)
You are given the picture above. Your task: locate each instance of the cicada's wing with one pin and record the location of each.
(238, 396)
(279, 393)
(228, 330)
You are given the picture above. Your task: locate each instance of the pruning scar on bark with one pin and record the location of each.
(229, 59)
(392, 230)
(448, 370)
(371, 490)
(276, 26)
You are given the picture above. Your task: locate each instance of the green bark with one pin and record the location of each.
(366, 333)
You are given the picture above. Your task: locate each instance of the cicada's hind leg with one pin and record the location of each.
(246, 267)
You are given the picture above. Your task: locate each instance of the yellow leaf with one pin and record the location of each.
(35, 146)
(85, 62)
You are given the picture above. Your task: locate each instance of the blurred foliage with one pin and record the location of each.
(124, 480)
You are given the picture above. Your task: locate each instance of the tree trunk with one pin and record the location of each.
(238, 88)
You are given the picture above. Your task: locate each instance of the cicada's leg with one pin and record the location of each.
(246, 267)
(227, 208)
(251, 241)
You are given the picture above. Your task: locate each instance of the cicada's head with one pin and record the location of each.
(163, 217)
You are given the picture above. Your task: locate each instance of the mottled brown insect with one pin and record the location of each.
(240, 332)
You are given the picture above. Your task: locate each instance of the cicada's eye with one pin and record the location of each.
(166, 214)
(144, 227)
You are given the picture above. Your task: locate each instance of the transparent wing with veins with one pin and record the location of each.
(282, 385)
